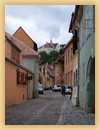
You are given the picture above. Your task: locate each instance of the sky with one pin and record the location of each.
(41, 22)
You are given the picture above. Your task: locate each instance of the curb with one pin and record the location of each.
(61, 117)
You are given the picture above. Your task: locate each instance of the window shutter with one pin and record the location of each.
(22, 78)
(26, 79)
(18, 77)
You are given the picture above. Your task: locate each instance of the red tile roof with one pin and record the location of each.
(49, 45)
(23, 47)
(50, 70)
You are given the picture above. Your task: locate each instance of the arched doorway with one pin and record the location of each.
(91, 85)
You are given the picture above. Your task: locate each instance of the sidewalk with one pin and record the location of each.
(72, 115)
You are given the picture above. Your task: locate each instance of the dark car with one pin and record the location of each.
(40, 89)
(68, 89)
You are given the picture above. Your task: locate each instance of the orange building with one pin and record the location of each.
(18, 79)
(60, 62)
(28, 58)
(47, 75)
(18, 86)
(68, 63)
(21, 35)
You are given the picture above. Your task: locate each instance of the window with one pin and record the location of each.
(66, 58)
(71, 77)
(62, 68)
(24, 79)
(18, 77)
(44, 70)
(8, 50)
(21, 78)
(69, 56)
(75, 42)
(66, 78)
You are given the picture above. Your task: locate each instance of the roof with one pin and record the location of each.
(68, 43)
(24, 32)
(35, 45)
(26, 51)
(71, 22)
(50, 71)
(49, 45)
(18, 65)
(60, 58)
(7, 37)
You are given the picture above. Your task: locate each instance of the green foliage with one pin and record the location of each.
(44, 56)
(49, 58)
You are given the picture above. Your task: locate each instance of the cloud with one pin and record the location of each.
(41, 22)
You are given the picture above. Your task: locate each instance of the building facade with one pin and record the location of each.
(85, 17)
(48, 47)
(68, 63)
(47, 75)
(30, 59)
(18, 86)
(60, 63)
(73, 30)
(22, 36)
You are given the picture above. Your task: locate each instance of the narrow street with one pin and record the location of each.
(51, 108)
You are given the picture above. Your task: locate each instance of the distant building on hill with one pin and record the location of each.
(48, 47)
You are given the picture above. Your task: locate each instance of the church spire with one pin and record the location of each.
(51, 40)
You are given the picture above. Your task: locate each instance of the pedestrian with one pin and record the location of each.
(63, 90)
(71, 93)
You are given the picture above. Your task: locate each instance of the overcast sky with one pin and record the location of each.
(40, 22)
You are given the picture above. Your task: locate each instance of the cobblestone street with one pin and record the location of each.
(51, 108)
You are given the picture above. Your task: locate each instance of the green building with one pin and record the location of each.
(84, 24)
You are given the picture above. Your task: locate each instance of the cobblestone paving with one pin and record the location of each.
(44, 110)
(49, 109)
(72, 115)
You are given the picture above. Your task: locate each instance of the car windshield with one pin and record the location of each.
(40, 86)
(69, 86)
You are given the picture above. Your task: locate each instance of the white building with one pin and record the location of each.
(48, 47)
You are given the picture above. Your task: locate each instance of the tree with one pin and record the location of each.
(49, 58)
(44, 57)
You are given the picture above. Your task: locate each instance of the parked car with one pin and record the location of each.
(56, 88)
(68, 89)
(40, 89)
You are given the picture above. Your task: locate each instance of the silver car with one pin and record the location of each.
(40, 89)
(56, 88)
(68, 89)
